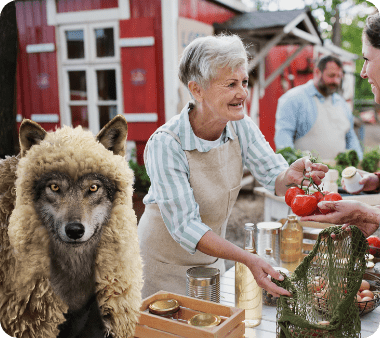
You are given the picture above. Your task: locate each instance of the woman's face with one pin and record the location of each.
(371, 67)
(225, 95)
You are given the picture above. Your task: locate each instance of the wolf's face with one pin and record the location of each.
(74, 211)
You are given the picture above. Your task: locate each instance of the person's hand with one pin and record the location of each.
(370, 181)
(295, 173)
(260, 270)
(347, 212)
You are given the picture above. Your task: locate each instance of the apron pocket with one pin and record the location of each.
(232, 197)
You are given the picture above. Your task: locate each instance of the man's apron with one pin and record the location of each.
(327, 137)
(215, 177)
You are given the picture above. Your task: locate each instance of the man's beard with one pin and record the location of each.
(325, 89)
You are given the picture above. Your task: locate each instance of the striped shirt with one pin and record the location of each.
(169, 172)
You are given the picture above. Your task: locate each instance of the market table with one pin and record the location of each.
(267, 328)
(275, 207)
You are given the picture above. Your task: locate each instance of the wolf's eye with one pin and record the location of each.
(94, 188)
(54, 187)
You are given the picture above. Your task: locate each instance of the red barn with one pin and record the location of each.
(81, 62)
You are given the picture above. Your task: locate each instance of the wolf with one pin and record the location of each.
(69, 257)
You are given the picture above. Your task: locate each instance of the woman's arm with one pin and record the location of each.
(364, 216)
(214, 245)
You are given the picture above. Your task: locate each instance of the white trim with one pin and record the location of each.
(235, 4)
(306, 36)
(141, 117)
(40, 48)
(122, 12)
(169, 14)
(137, 42)
(62, 36)
(45, 118)
(92, 46)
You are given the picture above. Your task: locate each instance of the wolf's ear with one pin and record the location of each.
(114, 135)
(30, 133)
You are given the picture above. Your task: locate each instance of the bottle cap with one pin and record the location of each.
(205, 320)
(249, 225)
(164, 306)
(349, 172)
(268, 251)
(292, 218)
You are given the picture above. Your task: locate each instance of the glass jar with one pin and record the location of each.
(248, 295)
(351, 179)
(291, 242)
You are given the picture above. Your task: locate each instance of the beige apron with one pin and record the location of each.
(215, 178)
(327, 137)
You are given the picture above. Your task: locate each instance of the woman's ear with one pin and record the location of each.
(196, 90)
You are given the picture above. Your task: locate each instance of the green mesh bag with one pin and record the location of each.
(324, 288)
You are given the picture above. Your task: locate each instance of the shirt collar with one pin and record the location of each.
(313, 91)
(188, 139)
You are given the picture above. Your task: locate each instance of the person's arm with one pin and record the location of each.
(364, 216)
(286, 123)
(296, 172)
(169, 173)
(352, 141)
(214, 245)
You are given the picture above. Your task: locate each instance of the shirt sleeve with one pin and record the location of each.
(169, 173)
(352, 141)
(258, 156)
(286, 123)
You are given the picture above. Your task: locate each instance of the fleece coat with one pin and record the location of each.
(28, 305)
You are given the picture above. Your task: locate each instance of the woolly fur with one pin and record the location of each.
(28, 305)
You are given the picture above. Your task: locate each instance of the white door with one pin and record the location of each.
(90, 72)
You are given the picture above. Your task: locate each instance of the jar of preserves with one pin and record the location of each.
(351, 179)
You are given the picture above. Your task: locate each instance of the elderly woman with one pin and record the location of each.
(364, 216)
(195, 162)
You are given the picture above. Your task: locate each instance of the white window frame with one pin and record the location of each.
(63, 44)
(91, 36)
(122, 12)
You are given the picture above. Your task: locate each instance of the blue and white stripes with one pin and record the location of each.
(169, 172)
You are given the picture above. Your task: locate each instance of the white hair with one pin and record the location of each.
(204, 56)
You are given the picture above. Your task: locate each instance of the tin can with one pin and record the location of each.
(268, 236)
(351, 179)
(203, 283)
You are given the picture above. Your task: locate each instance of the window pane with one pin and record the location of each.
(106, 84)
(106, 114)
(79, 116)
(75, 44)
(77, 84)
(104, 42)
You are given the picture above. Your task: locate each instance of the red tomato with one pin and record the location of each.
(318, 195)
(375, 242)
(304, 205)
(331, 196)
(291, 193)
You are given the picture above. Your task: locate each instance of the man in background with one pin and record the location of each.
(314, 117)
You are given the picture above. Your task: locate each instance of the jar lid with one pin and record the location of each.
(164, 306)
(349, 172)
(269, 225)
(205, 320)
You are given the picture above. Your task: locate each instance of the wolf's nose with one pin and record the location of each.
(74, 230)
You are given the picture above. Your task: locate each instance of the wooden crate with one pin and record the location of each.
(150, 325)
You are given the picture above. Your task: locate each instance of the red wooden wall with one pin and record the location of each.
(300, 68)
(32, 96)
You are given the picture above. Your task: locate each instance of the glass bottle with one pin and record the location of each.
(291, 242)
(248, 295)
(268, 257)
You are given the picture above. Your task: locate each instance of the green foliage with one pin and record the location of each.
(290, 154)
(142, 180)
(370, 160)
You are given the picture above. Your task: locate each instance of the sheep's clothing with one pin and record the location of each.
(28, 305)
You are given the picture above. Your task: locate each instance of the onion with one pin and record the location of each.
(364, 285)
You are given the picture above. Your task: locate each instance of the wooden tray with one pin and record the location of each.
(150, 325)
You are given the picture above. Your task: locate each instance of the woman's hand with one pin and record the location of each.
(370, 181)
(295, 174)
(364, 216)
(260, 270)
